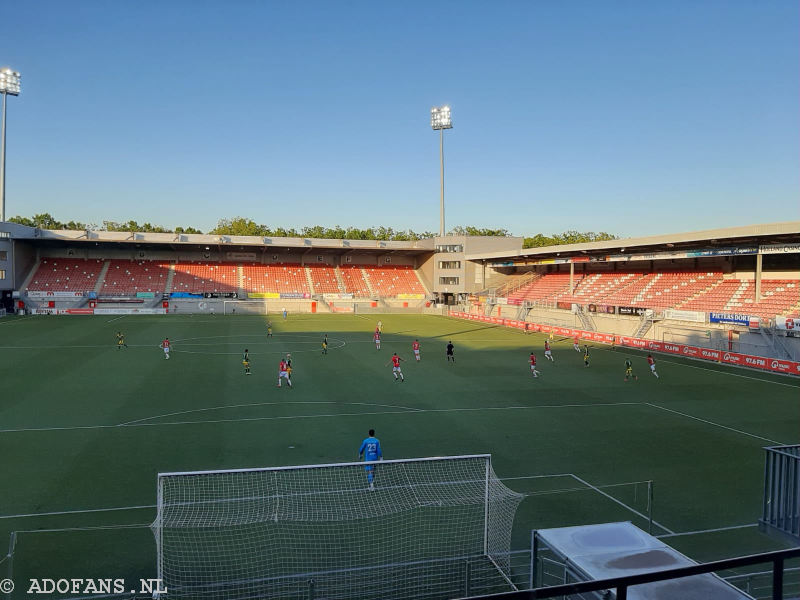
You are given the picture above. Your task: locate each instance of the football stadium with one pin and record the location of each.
(299, 414)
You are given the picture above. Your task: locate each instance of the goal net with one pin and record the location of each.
(432, 528)
(244, 307)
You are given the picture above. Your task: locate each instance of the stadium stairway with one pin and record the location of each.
(240, 281)
(706, 290)
(170, 277)
(309, 280)
(424, 285)
(641, 295)
(368, 282)
(339, 280)
(731, 304)
(101, 279)
(30, 275)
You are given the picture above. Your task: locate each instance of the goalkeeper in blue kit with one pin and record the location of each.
(371, 449)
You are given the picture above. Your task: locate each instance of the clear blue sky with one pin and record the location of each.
(626, 116)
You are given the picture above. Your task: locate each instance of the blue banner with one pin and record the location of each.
(184, 295)
(722, 252)
(731, 318)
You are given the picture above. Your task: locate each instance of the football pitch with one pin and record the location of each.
(85, 427)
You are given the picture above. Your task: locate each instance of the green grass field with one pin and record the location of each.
(85, 427)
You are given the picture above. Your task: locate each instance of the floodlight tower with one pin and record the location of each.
(440, 120)
(9, 84)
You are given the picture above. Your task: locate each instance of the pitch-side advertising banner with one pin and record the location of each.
(731, 358)
(685, 315)
(780, 249)
(787, 323)
(41, 294)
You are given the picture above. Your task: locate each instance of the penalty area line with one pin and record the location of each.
(688, 416)
(610, 497)
(715, 530)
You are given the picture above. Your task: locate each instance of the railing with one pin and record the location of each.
(620, 585)
(781, 506)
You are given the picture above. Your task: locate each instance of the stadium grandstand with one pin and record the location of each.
(728, 286)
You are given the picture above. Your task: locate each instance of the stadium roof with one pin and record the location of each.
(774, 233)
(229, 242)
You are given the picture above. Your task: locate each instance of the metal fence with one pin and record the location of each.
(781, 507)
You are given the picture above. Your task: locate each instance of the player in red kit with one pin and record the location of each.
(377, 338)
(576, 344)
(548, 354)
(395, 362)
(652, 362)
(283, 373)
(415, 348)
(165, 346)
(532, 359)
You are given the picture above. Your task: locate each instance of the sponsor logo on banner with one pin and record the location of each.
(631, 310)
(685, 315)
(415, 297)
(42, 294)
(502, 300)
(674, 348)
(731, 318)
(220, 295)
(129, 311)
(709, 354)
(755, 361)
(722, 252)
(779, 249)
(783, 366)
(787, 323)
(272, 295)
(657, 346)
(691, 351)
(733, 358)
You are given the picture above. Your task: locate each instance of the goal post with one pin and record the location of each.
(244, 307)
(432, 528)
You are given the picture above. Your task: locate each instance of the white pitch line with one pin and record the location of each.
(610, 497)
(319, 416)
(666, 535)
(115, 319)
(688, 416)
(672, 362)
(223, 407)
(143, 506)
(76, 512)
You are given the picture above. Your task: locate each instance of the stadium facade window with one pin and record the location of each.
(3, 255)
(448, 280)
(449, 264)
(450, 248)
(2, 273)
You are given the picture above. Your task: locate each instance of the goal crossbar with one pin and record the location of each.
(359, 463)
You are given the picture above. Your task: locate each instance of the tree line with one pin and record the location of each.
(245, 226)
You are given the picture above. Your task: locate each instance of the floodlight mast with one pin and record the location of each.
(440, 120)
(9, 85)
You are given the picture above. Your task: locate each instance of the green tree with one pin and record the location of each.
(568, 237)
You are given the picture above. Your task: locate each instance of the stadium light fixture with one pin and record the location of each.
(441, 120)
(9, 85)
